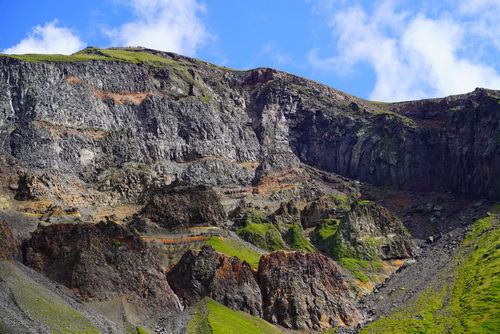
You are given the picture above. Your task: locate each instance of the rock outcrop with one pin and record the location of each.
(101, 262)
(180, 206)
(354, 228)
(8, 244)
(305, 291)
(369, 231)
(227, 280)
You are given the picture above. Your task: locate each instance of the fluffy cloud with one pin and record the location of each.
(168, 25)
(485, 18)
(413, 56)
(48, 38)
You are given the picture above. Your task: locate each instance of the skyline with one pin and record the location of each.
(380, 50)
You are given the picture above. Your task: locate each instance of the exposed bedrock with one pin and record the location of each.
(199, 123)
(101, 262)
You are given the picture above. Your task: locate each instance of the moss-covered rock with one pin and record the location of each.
(296, 239)
(259, 231)
(347, 227)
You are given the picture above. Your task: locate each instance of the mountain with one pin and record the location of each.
(146, 182)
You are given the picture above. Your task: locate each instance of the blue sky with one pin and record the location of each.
(383, 50)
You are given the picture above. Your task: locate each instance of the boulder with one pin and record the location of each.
(305, 291)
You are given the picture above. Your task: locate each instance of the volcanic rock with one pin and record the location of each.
(227, 280)
(8, 244)
(101, 262)
(305, 291)
(181, 206)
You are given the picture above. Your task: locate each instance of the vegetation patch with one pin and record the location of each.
(212, 317)
(52, 313)
(297, 240)
(142, 330)
(324, 235)
(464, 298)
(361, 269)
(232, 247)
(259, 231)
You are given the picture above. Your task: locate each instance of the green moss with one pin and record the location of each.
(464, 298)
(324, 235)
(260, 232)
(141, 330)
(198, 324)
(297, 240)
(232, 247)
(212, 317)
(341, 201)
(53, 313)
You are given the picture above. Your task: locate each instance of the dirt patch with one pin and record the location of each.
(72, 80)
(60, 130)
(134, 98)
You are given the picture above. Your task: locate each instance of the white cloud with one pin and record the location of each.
(412, 56)
(48, 38)
(484, 16)
(168, 25)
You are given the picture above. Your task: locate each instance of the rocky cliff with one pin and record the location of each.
(193, 121)
(119, 166)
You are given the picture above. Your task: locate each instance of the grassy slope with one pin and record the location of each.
(212, 317)
(129, 56)
(232, 247)
(44, 307)
(465, 298)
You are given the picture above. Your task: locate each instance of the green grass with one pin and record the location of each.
(142, 330)
(361, 268)
(465, 297)
(297, 240)
(212, 317)
(52, 313)
(232, 247)
(88, 54)
(324, 235)
(33, 58)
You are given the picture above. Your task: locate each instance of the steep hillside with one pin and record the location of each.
(146, 182)
(464, 297)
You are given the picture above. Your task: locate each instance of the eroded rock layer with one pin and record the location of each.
(101, 262)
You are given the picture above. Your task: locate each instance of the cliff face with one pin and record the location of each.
(199, 123)
(305, 291)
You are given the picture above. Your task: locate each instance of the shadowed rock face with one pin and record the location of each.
(444, 144)
(225, 279)
(182, 206)
(8, 244)
(200, 123)
(305, 291)
(101, 261)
